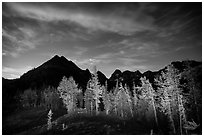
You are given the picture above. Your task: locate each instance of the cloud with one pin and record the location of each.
(138, 47)
(130, 61)
(181, 48)
(17, 41)
(105, 56)
(86, 63)
(12, 73)
(80, 50)
(111, 22)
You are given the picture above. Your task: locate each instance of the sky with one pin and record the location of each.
(125, 36)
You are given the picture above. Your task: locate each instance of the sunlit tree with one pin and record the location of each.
(108, 101)
(148, 93)
(94, 88)
(49, 120)
(123, 102)
(89, 101)
(171, 98)
(68, 91)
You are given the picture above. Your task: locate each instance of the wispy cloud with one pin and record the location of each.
(80, 50)
(87, 63)
(12, 73)
(135, 47)
(17, 41)
(106, 22)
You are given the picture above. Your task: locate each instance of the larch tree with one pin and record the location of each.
(68, 91)
(148, 94)
(123, 103)
(89, 100)
(28, 98)
(49, 120)
(135, 99)
(51, 98)
(193, 98)
(171, 98)
(95, 87)
(108, 101)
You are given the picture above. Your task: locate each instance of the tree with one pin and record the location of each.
(170, 95)
(108, 100)
(49, 120)
(51, 97)
(192, 85)
(94, 88)
(28, 98)
(68, 92)
(89, 100)
(182, 115)
(148, 93)
(135, 99)
(123, 102)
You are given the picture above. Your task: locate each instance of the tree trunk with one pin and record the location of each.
(171, 118)
(96, 101)
(196, 105)
(122, 113)
(91, 108)
(154, 108)
(106, 111)
(131, 111)
(155, 112)
(180, 115)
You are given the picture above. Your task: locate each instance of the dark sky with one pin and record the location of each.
(128, 36)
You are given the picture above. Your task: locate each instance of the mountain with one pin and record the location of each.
(51, 72)
(101, 78)
(129, 76)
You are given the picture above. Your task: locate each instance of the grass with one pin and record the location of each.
(34, 121)
(27, 119)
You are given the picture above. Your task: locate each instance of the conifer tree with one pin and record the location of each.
(89, 100)
(49, 120)
(123, 103)
(171, 98)
(107, 102)
(182, 115)
(28, 98)
(135, 99)
(148, 94)
(68, 91)
(51, 98)
(95, 88)
(193, 99)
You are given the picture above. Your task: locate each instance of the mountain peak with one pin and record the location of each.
(56, 56)
(116, 74)
(117, 71)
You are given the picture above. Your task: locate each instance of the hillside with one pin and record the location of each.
(41, 82)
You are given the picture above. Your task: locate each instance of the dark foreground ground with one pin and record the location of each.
(34, 122)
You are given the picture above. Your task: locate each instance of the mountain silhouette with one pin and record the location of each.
(51, 73)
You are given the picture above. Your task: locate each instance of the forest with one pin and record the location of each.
(101, 68)
(170, 105)
(166, 102)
